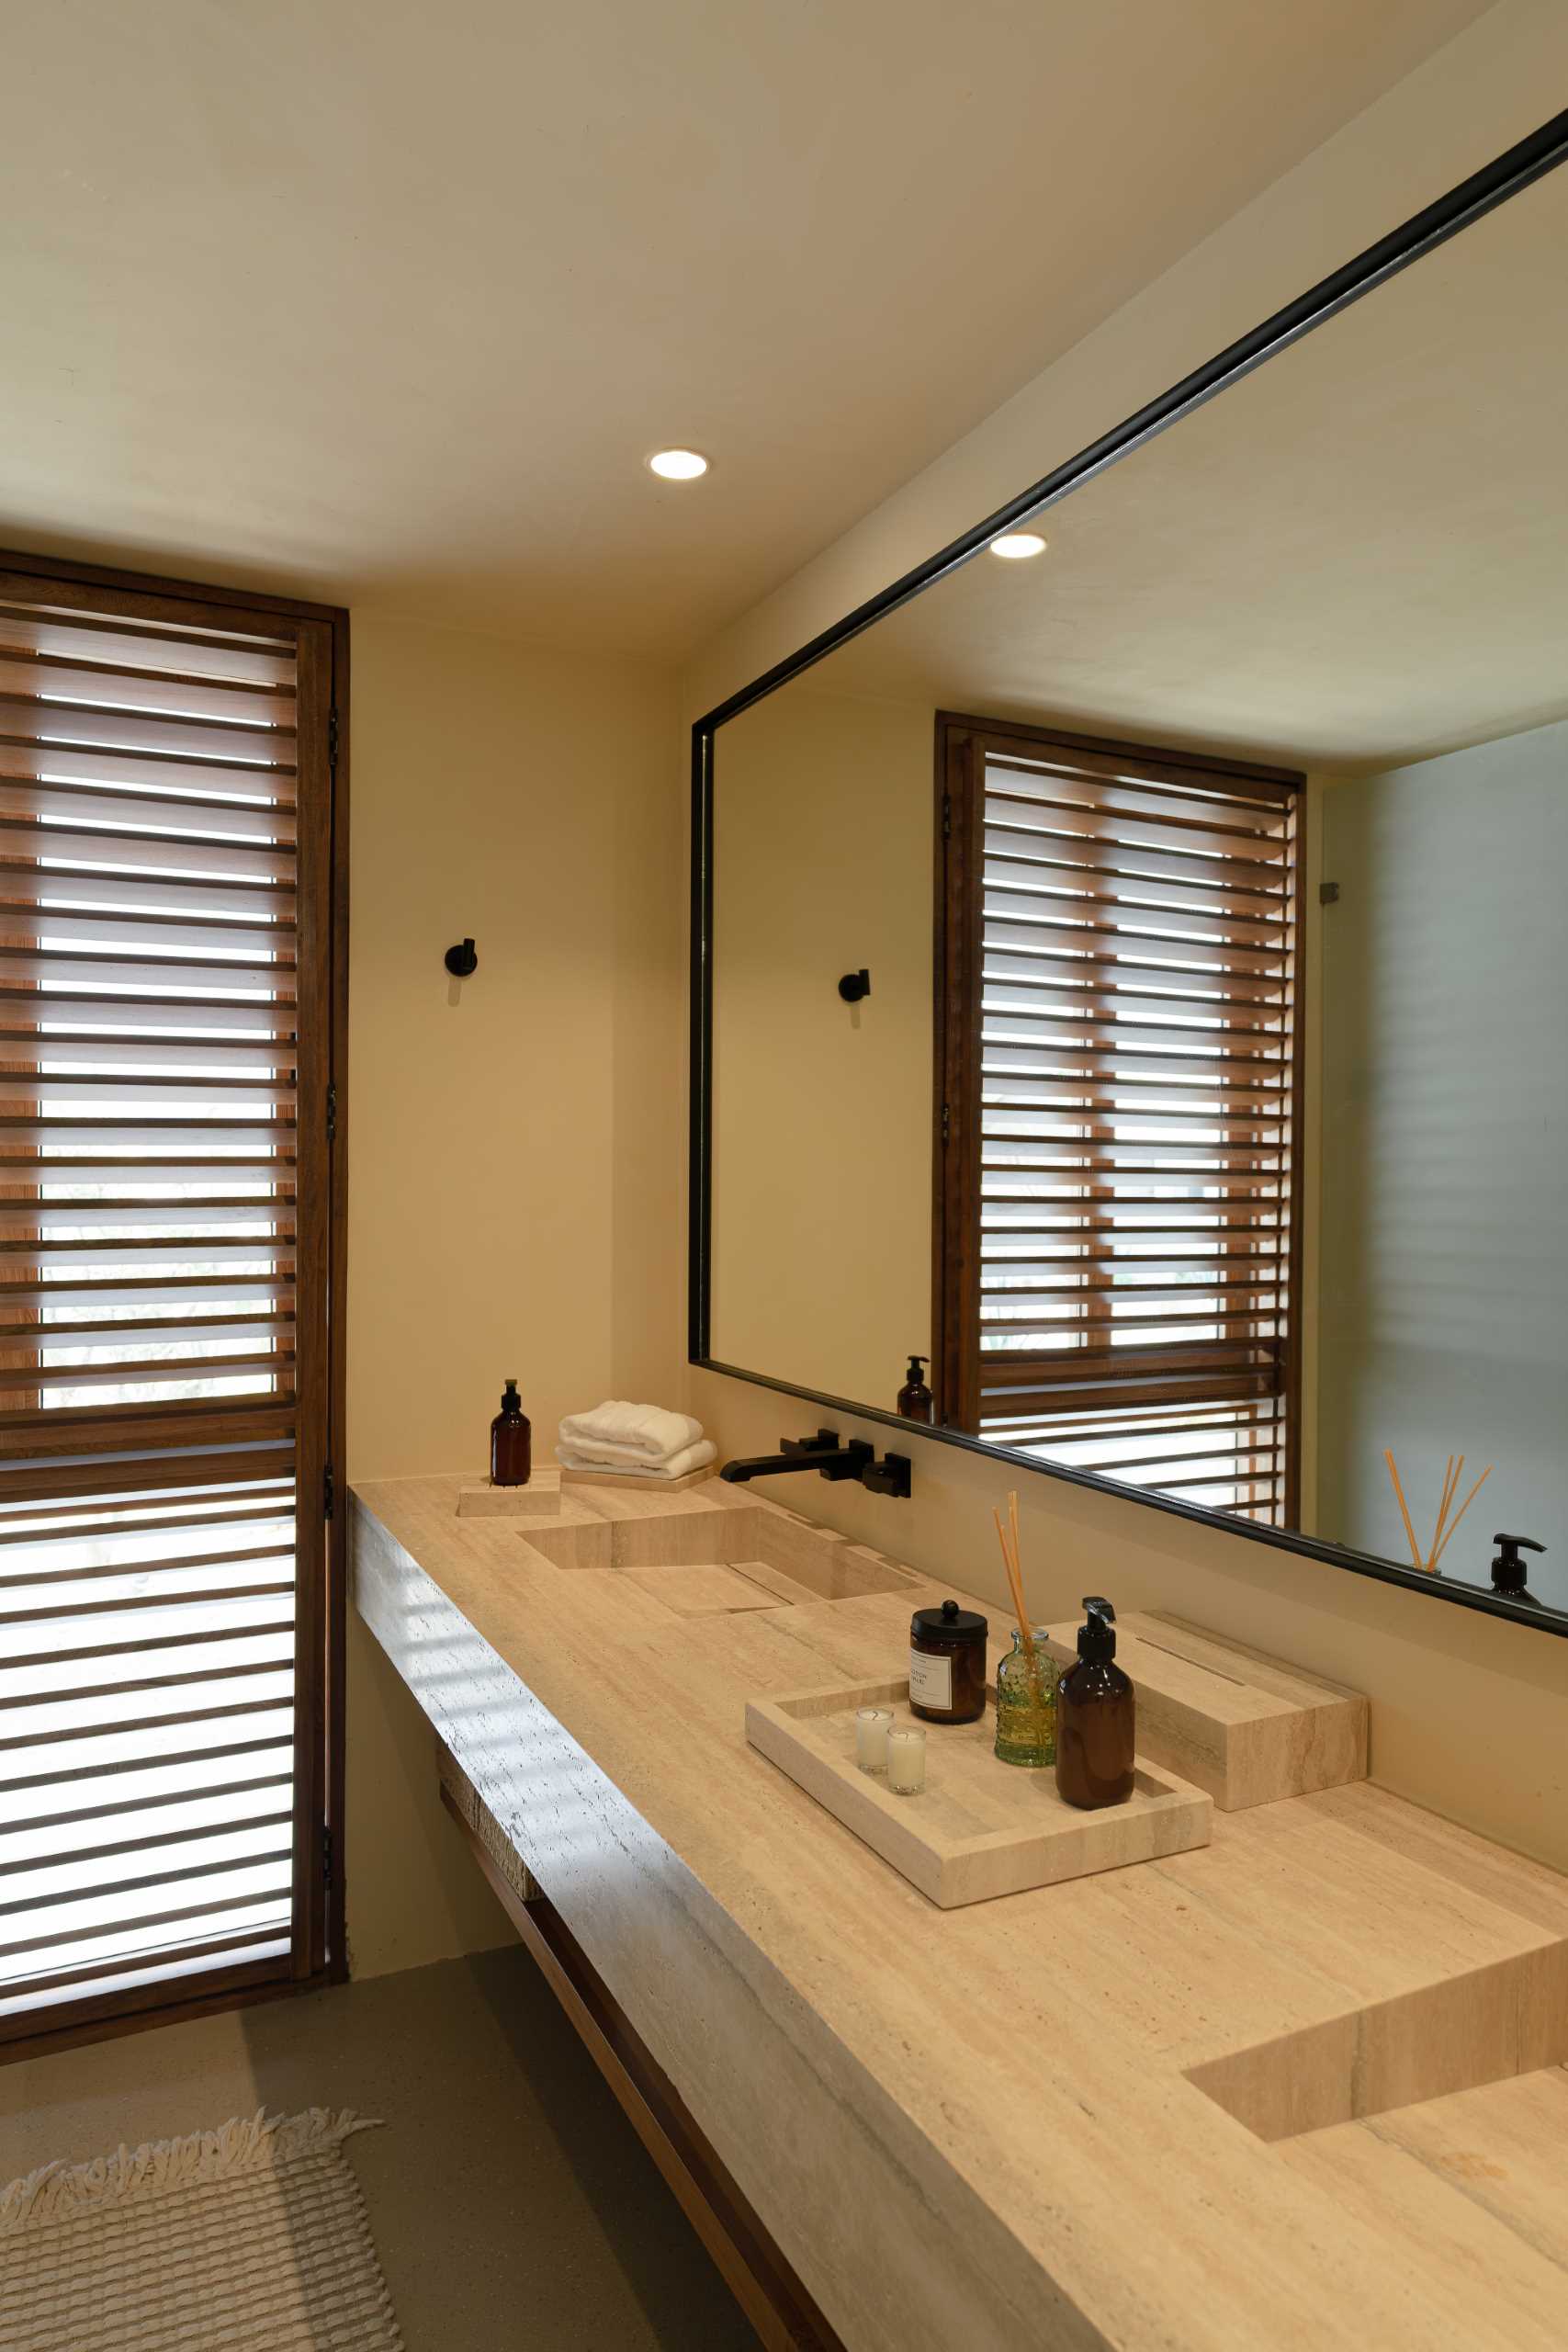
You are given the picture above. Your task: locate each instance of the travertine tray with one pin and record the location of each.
(980, 1829)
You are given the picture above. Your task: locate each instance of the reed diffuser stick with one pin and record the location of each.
(1451, 1476)
(1461, 1512)
(1015, 1585)
(1403, 1507)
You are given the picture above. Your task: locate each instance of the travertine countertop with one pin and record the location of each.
(969, 2125)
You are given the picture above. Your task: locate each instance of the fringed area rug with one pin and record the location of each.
(253, 2238)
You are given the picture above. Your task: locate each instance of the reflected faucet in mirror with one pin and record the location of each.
(823, 1453)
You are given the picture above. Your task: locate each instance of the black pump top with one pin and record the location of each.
(1507, 1568)
(917, 1367)
(1097, 1635)
(511, 1402)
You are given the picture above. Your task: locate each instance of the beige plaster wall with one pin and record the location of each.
(1436, 1674)
(507, 1210)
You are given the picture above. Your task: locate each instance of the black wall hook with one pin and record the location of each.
(854, 985)
(461, 960)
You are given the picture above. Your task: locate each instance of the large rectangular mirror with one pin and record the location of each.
(1136, 959)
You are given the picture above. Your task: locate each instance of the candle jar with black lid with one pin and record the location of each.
(947, 1664)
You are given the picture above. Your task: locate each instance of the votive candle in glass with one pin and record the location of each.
(907, 1760)
(872, 1727)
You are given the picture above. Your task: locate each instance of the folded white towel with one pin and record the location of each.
(639, 1432)
(691, 1457)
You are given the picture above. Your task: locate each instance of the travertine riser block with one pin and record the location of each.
(1243, 1725)
(540, 1498)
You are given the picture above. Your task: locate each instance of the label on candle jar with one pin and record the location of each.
(931, 1682)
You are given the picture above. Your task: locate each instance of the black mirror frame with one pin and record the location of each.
(1517, 168)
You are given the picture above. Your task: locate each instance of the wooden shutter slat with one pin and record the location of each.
(177, 1330)
(232, 1555)
(1021, 857)
(29, 839)
(66, 889)
(157, 1133)
(1062, 1097)
(25, 719)
(163, 1288)
(216, 1209)
(1096, 1253)
(1254, 979)
(1010, 836)
(258, 1060)
(1110, 772)
(109, 811)
(81, 966)
(1067, 822)
(33, 626)
(272, 1020)
(132, 685)
(1087, 987)
(273, 1368)
(70, 1519)
(149, 1089)
(123, 1808)
(1131, 1063)
(202, 934)
(78, 1612)
(1087, 915)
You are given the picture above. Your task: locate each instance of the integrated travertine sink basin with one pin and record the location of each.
(719, 1562)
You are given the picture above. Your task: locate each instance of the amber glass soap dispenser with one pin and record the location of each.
(915, 1402)
(1094, 1717)
(510, 1441)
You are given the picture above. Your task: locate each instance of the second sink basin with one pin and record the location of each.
(720, 1561)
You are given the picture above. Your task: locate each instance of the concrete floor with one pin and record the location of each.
(511, 2201)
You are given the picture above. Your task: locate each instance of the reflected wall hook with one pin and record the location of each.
(462, 960)
(854, 985)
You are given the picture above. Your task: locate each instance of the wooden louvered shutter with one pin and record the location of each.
(165, 1001)
(1117, 1229)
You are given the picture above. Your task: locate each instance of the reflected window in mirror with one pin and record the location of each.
(1117, 1244)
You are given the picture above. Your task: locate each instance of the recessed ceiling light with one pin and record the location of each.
(678, 465)
(1014, 546)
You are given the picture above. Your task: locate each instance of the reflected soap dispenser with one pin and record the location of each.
(915, 1402)
(1095, 1717)
(1508, 1569)
(510, 1441)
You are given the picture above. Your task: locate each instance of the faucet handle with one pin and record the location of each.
(825, 1442)
(891, 1476)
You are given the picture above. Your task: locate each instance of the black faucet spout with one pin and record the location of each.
(823, 1453)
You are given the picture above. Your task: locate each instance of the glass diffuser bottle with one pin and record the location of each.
(1026, 1703)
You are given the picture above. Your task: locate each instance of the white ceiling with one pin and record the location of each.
(1353, 557)
(387, 301)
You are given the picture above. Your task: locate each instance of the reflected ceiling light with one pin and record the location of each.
(678, 465)
(1014, 546)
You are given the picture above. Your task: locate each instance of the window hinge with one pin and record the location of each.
(329, 1492)
(332, 1111)
(1328, 894)
(946, 1124)
(331, 742)
(327, 1855)
(947, 816)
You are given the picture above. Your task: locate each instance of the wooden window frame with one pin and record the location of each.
(318, 1838)
(961, 743)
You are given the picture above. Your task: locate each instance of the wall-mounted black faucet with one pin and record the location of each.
(824, 1455)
